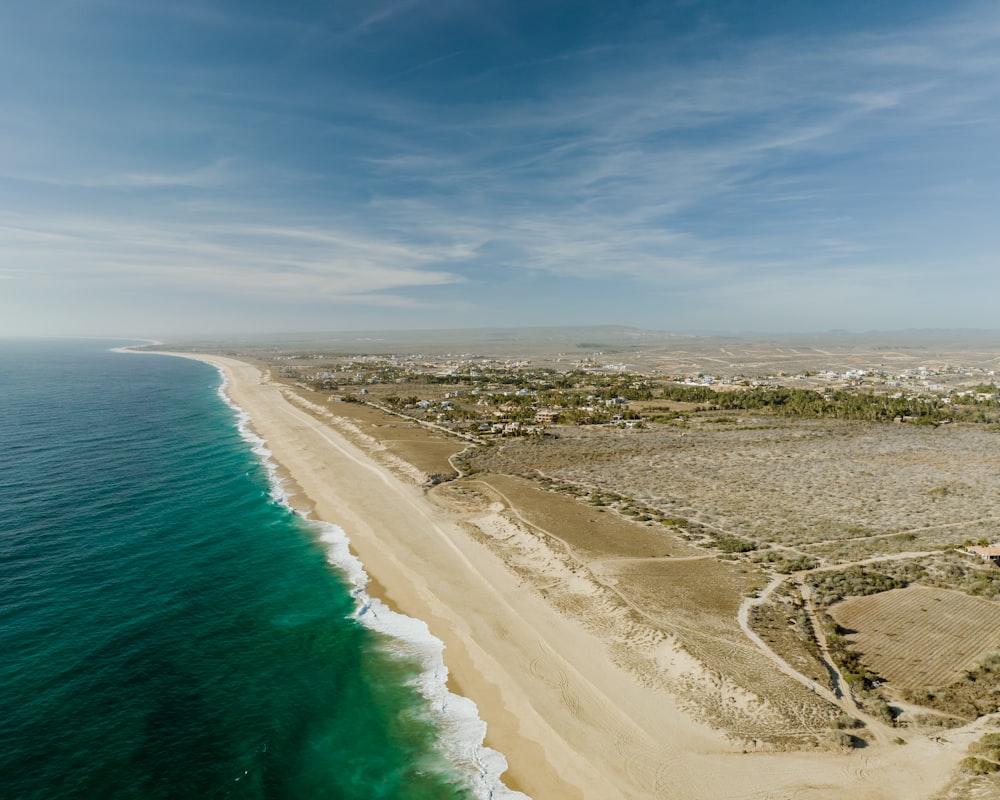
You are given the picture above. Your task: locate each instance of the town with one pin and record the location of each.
(483, 396)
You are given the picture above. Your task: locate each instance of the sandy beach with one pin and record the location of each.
(570, 720)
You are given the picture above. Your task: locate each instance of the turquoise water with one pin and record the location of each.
(167, 630)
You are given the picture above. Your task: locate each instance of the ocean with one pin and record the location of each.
(170, 628)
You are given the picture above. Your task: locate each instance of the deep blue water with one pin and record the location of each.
(166, 629)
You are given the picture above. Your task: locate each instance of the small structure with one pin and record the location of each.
(989, 553)
(547, 415)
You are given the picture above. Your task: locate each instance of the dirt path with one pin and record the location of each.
(865, 561)
(743, 617)
(921, 529)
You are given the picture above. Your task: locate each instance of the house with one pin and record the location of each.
(547, 415)
(989, 553)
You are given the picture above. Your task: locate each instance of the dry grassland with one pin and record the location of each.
(593, 532)
(795, 483)
(920, 636)
(972, 787)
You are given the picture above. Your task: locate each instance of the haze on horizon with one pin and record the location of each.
(221, 166)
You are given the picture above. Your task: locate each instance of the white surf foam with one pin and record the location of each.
(461, 730)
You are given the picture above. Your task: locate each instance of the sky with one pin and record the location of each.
(189, 167)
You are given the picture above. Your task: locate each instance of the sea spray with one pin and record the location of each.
(462, 731)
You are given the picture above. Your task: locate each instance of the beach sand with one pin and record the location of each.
(571, 722)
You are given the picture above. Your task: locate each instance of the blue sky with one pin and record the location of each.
(182, 166)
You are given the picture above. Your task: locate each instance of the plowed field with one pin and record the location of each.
(919, 636)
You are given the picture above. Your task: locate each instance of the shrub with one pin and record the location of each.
(845, 722)
(733, 544)
(787, 566)
(842, 739)
(829, 587)
(979, 766)
(988, 746)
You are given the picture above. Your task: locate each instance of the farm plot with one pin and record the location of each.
(920, 636)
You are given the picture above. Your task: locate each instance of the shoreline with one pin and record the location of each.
(461, 727)
(571, 723)
(376, 595)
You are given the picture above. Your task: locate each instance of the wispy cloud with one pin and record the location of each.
(384, 13)
(398, 156)
(207, 177)
(659, 169)
(226, 260)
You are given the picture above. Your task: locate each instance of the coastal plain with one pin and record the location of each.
(658, 610)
